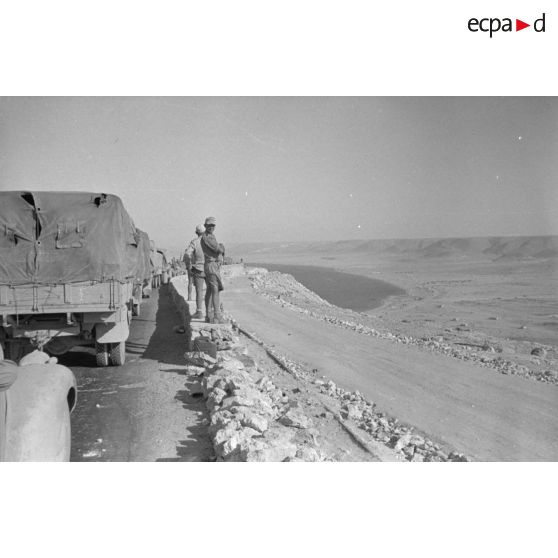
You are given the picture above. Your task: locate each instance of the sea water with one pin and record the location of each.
(345, 290)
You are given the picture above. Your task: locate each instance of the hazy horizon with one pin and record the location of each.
(402, 239)
(293, 169)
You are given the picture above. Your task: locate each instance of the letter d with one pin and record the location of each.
(535, 25)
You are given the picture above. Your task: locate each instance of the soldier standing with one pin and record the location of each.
(212, 251)
(195, 255)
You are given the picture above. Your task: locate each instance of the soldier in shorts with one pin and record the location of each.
(212, 251)
(195, 254)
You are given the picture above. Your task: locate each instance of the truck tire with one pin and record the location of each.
(118, 353)
(16, 350)
(101, 354)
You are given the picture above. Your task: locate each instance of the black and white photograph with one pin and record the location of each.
(278, 279)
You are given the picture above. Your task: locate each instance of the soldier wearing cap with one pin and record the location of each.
(212, 251)
(195, 256)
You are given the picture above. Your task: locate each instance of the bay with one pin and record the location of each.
(345, 290)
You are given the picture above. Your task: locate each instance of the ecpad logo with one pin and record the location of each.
(492, 25)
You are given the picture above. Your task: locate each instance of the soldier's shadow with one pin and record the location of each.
(165, 345)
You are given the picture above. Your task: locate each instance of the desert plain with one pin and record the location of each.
(485, 309)
(500, 290)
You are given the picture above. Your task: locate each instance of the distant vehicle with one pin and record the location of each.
(161, 266)
(68, 265)
(167, 269)
(177, 267)
(35, 412)
(144, 273)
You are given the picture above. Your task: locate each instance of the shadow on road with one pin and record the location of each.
(79, 356)
(168, 347)
(197, 447)
(125, 412)
(165, 346)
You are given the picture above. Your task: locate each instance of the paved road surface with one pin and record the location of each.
(487, 415)
(144, 410)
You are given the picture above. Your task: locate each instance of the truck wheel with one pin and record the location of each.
(101, 354)
(118, 353)
(16, 350)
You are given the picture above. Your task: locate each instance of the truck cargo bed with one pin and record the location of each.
(84, 296)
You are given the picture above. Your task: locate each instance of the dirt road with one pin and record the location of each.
(144, 410)
(486, 415)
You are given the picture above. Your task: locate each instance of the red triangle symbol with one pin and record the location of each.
(519, 25)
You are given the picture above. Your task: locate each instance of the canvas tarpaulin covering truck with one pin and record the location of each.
(160, 265)
(144, 272)
(68, 262)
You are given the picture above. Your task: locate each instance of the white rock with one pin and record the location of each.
(254, 421)
(403, 442)
(307, 454)
(237, 401)
(271, 453)
(351, 412)
(198, 358)
(295, 419)
(227, 432)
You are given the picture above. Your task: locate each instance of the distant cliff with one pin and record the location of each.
(494, 247)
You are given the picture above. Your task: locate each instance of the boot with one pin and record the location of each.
(218, 319)
(198, 315)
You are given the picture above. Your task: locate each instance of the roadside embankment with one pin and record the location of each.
(250, 418)
(387, 439)
(253, 419)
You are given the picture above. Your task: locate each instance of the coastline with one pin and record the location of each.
(435, 314)
(351, 291)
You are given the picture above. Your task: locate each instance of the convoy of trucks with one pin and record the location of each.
(73, 271)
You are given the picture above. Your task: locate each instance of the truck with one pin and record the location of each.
(68, 265)
(160, 266)
(144, 273)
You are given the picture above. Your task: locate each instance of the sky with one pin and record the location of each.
(296, 168)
